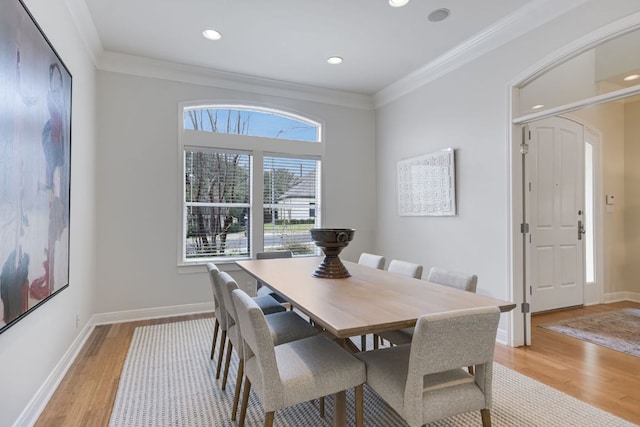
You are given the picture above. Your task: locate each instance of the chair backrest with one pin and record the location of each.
(453, 279)
(258, 343)
(228, 285)
(405, 268)
(446, 341)
(220, 311)
(274, 255)
(372, 260)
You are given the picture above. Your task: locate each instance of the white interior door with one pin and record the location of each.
(555, 165)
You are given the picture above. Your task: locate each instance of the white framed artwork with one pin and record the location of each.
(427, 184)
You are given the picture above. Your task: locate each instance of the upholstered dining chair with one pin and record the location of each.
(283, 327)
(426, 381)
(405, 268)
(371, 260)
(293, 372)
(263, 290)
(454, 279)
(266, 304)
(220, 315)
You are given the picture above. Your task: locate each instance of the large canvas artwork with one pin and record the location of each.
(35, 149)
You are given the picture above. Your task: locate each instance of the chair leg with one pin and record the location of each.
(360, 405)
(245, 401)
(322, 407)
(216, 327)
(226, 366)
(236, 395)
(363, 342)
(223, 341)
(375, 342)
(268, 419)
(486, 417)
(471, 370)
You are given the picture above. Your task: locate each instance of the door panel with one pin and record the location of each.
(556, 196)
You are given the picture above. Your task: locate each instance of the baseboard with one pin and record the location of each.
(502, 337)
(621, 296)
(151, 313)
(32, 411)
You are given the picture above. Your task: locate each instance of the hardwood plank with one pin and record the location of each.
(602, 377)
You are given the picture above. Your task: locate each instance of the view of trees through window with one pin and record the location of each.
(218, 191)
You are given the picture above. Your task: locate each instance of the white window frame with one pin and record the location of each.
(257, 147)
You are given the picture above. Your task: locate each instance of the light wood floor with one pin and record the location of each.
(602, 377)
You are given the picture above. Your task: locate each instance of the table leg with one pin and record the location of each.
(340, 409)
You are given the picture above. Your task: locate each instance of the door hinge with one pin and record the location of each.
(525, 307)
(524, 228)
(524, 148)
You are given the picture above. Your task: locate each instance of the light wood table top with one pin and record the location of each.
(370, 301)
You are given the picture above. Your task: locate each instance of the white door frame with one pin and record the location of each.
(520, 319)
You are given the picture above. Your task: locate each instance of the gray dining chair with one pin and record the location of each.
(426, 381)
(262, 289)
(294, 372)
(453, 279)
(220, 315)
(266, 303)
(283, 327)
(373, 261)
(405, 268)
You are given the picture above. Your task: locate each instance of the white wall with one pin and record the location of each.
(139, 196)
(468, 110)
(31, 349)
(632, 195)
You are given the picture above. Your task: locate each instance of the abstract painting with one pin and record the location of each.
(35, 166)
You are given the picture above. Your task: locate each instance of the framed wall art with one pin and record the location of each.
(35, 166)
(427, 184)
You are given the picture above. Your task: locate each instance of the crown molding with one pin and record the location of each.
(146, 67)
(86, 27)
(525, 19)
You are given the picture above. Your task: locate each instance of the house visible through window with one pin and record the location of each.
(251, 182)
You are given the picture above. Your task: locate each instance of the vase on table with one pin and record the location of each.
(331, 241)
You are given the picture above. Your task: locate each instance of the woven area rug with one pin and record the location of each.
(618, 329)
(169, 380)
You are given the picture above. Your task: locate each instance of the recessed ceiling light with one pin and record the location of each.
(537, 107)
(212, 34)
(632, 77)
(334, 60)
(439, 15)
(398, 3)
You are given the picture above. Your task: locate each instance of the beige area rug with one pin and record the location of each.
(169, 380)
(618, 329)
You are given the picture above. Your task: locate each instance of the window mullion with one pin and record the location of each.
(257, 201)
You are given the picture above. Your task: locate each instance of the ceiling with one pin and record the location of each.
(290, 40)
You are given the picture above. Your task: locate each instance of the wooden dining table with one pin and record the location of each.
(371, 301)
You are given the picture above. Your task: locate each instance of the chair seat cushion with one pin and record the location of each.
(264, 291)
(399, 336)
(269, 305)
(387, 372)
(287, 326)
(309, 368)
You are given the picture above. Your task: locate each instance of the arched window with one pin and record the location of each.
(251, 182)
